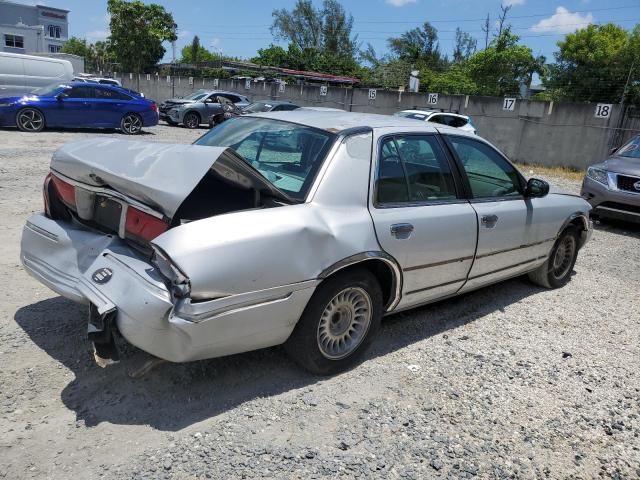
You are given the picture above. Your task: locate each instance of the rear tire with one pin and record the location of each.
(338, 324)
(191, 120)
(556, 271)
(131, 124)
(30, 120)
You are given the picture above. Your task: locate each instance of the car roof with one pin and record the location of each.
(338, 121)
(273, 102)
(431, 112)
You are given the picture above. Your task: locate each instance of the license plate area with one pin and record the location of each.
(107, 213)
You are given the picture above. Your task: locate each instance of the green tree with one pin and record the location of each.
(201, 54)
(419, 45)
(137, 33)
(503, 66)
(454, 81)
(465, 46)
(595, 64)
(327, 30)
(97, 56)
(195, 48)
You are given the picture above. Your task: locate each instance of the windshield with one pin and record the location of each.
(286, 154)
(631, 149)
(196, 96)
(257, 107)
(49, 91)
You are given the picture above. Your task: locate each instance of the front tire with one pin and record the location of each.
(338, 324)
(191, 120)
(131, 124)
(30, 120)
(556, 271)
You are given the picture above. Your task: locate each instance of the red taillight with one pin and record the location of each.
(142, 226)
(154, 107)
(66, 191)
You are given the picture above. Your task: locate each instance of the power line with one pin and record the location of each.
(457, 20)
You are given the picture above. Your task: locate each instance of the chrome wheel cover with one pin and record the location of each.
(344, 323)
(563, 257)
(30, 120)
(131, 124)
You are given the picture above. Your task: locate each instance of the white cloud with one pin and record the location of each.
(399, 3)
(215, 43)
(182, 34)
(563, 21)
(96, 35)
(512, 3)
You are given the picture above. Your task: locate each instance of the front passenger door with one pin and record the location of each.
(508, 242)
(421, 217)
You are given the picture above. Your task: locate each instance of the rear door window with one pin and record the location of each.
(414, 168)
(106, 94)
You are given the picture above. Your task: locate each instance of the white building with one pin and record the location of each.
(32, 28)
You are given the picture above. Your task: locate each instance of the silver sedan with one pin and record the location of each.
(301, 228)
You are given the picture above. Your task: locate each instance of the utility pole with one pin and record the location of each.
(485, 29)
(626, 85)
(173, 43)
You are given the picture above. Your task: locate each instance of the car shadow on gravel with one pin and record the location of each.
(174, 396)
(96, 131)
(618, 227)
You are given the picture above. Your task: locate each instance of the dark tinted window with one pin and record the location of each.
(233, 98)
(284, 107)
(413, 168)
(631, 149)
(108, 82)
(79, 92)
(490, 175)
(106, 94)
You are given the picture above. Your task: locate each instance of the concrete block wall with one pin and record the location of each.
(542, 133)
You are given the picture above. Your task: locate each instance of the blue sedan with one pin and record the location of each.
(79, 105)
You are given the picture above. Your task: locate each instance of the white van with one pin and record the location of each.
(21, 74)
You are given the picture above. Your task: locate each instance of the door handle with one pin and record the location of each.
(401, 230)
(489, 221)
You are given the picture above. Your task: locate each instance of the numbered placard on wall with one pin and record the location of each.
(247, 84)
(281, 87)
(372, 93)
(323, 91)
(509, 104)
(215, 83)
(168, 78)
(190, 80)
(432, 99)
(603, 110)
(148, 76)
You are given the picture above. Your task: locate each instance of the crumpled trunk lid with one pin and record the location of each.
(158, 175)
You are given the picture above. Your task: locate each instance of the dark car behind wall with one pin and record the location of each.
(612, 187)
(79, 105)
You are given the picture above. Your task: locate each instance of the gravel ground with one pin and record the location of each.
(511, 381)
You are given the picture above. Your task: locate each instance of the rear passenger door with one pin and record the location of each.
(108, 107)
(421, 217)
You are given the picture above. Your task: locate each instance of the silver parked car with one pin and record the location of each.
(301, 227)
(197, 108)
(613, 186)
(463, 122)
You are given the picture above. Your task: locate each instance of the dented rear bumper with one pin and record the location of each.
(102, 270)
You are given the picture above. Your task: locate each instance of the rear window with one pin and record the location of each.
(288, 155)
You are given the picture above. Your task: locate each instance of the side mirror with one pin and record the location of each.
(536, 188)
(61, 96)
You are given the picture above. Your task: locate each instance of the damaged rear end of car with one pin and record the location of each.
(105, 203)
